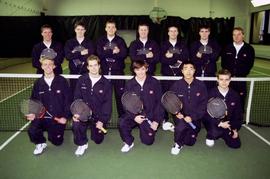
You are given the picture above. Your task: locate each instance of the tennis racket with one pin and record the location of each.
(206, 49)
(133, 104)
(174, 50)
(79, 107)
(173, 104)
(143, 51)
(110, 46)
(78, 48)
(217, 109)
(48, 53)
(31, 106)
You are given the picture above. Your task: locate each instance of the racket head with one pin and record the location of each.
(31, 106)
(79, 48)
(132, 102)
(171, 102)
(81, 108)
(175, 50)
(216, 108)
(206, 49)
(48, 53)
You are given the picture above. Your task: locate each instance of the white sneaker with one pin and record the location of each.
(209, 142)
(126, 147)
(81, 149)
(168, 126)
(176, 149)
(39, 148)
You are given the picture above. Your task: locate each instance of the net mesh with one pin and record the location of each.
(14, 88)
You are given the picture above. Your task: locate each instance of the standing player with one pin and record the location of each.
(238, 58)
(227, 130)
(145, 49)
(54, 93)
(149, 90)
(173, 54)
(193, 95)
(96, 92)
(112, 51)
(204, 54)
(48, 43)
(77, 50)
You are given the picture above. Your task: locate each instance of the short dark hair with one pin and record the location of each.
(187, 63)
(111, 21)
(224, 72)
(45, 26)
(79, 23)
(138, 64)
(204, 26)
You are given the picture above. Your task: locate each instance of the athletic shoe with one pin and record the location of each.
(126, 147)
(176, 149)
(81, 149)
(209, 142)
(168, 126)
(39, 148)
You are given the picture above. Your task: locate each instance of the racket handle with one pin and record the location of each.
(192, 125)
(103, 130)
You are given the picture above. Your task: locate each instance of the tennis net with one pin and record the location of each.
(16, 87)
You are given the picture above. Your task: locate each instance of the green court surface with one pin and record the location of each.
(104, 161)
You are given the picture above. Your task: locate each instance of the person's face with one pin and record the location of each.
(93, 67)
(223, 81)
(110, 29)
(47, 66)
(188, 71)
(80, 30)
(204, 34)
(238, 36)
(47, 34)
(173, 33)
(141, 72)
(143, 31)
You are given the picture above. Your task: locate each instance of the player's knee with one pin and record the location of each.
(148, 141)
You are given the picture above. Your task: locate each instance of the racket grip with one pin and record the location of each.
(103, 130)
(192, 125)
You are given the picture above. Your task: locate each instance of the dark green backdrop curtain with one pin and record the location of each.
(19, 34)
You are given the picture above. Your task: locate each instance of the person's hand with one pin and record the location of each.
(168, 54)
(187, 119)
(30, 117)
(60, 120)
(84, 52)
(179, 115)
(224, 125)
(199, 55)
(149, 55)
(235, 134)
(76, 117)
(116, 50)
(139, 119)
(154, 125)
(99, 125)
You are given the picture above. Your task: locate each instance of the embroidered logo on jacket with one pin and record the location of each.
(151, 92)
(58, 91)
(100, 91)
(198, 94)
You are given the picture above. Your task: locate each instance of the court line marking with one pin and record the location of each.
(13, 136)
(260, 72)
(23, 127)
(257, 134)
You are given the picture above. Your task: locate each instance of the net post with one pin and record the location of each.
(249, 101)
